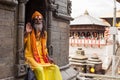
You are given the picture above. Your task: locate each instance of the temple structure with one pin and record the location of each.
(88, 31)
(13, 16)
(86, 26)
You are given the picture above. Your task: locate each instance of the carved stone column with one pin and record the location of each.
(51, 6)
(21, 67)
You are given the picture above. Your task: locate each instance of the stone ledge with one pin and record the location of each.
(68, 73)
(63, 16)
(8, 78)
(9, 2)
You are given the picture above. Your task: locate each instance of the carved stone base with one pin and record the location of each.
(21, 70)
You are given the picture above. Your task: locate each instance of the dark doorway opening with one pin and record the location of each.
(32, 6)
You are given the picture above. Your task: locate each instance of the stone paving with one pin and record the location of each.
(104, 53)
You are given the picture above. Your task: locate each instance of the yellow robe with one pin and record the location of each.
(43, 71)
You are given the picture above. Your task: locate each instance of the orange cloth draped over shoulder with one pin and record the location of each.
(36, 51)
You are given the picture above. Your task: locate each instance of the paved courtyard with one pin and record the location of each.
(104, 53)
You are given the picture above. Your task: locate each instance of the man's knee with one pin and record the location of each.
(56, 66)
(40, 69)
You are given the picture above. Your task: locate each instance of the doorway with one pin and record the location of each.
(32, 6)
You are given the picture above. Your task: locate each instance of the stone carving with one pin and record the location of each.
(21, 70)
(69, 7)
(21, 54)
(50, 50)
(51, 1)
(63, 16)
(57, 13)
(52, 6)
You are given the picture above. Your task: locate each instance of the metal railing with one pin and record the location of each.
(87, 42)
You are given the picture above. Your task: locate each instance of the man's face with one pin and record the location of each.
(38, 23)
(38, 19)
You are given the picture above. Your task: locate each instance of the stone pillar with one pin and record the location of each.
(51, 7)
(7, 38)
(21, 67)
(58, 26)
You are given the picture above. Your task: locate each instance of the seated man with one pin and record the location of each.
(36, 54)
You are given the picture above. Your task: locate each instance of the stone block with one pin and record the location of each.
(7, 70)
(65, 76)
(69, 73)
(7, 56)
(6, 18)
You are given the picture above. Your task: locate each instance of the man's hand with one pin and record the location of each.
(28, 27)
(50, 59)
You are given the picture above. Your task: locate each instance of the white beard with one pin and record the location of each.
(38, 27)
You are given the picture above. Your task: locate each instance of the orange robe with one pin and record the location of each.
(42, 69)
